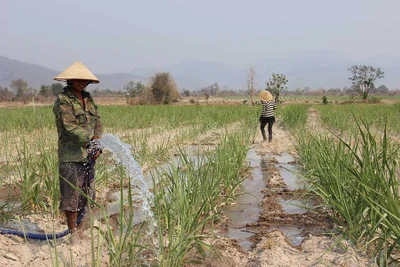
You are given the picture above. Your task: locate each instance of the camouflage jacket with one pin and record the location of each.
(76, 125)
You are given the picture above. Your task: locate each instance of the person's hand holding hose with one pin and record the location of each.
(93, 148)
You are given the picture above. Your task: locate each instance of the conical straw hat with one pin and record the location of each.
(76, 71)
(265, 95)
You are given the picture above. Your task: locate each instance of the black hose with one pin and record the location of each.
(41, 236)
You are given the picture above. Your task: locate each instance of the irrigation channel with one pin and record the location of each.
(244, 217)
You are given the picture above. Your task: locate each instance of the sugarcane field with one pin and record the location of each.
(196, 185)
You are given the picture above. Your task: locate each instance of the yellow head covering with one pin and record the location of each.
(265, 95)
(76, 71)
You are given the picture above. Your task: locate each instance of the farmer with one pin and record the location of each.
(78, 123)
(268, 114)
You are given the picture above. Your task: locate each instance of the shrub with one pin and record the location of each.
(374, 99)
(324, 100)
(164, 88)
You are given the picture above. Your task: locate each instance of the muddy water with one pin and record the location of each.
(248, 206)
(288, 172)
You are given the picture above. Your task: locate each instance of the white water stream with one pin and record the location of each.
(121, 153)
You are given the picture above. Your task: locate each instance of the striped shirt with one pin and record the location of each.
(268, 108)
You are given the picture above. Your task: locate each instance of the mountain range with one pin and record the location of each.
(313, 69)
(36, 75)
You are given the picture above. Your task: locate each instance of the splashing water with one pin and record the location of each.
(122, 154)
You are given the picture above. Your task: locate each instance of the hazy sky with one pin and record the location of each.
(117, 36)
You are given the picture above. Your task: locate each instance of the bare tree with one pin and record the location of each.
(251, 82)
(364, 77)
(276, 85)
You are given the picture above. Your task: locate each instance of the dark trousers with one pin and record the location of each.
(76, 175)
(263, 122)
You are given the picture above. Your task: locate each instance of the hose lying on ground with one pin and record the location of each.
(42, 236)
(92, 148)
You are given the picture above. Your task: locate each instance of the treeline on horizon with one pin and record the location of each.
(162, 89)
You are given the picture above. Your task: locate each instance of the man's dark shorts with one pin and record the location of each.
(76, 174)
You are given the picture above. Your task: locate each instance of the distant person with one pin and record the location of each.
(78, 123)
(267, 114)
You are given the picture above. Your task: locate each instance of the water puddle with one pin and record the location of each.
(242, 236)
(293, 234)
(294, 206)
(248, 207)
(288, 170)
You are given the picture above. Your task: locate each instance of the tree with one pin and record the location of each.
(5, 95)
(164, 88)
(45, 90)
(133, 89)
(21, 87)
(206, 97)
(212, 90)
(251, 83)
(364, 78)
(333, 91)
(56, 88)
(276, 85)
